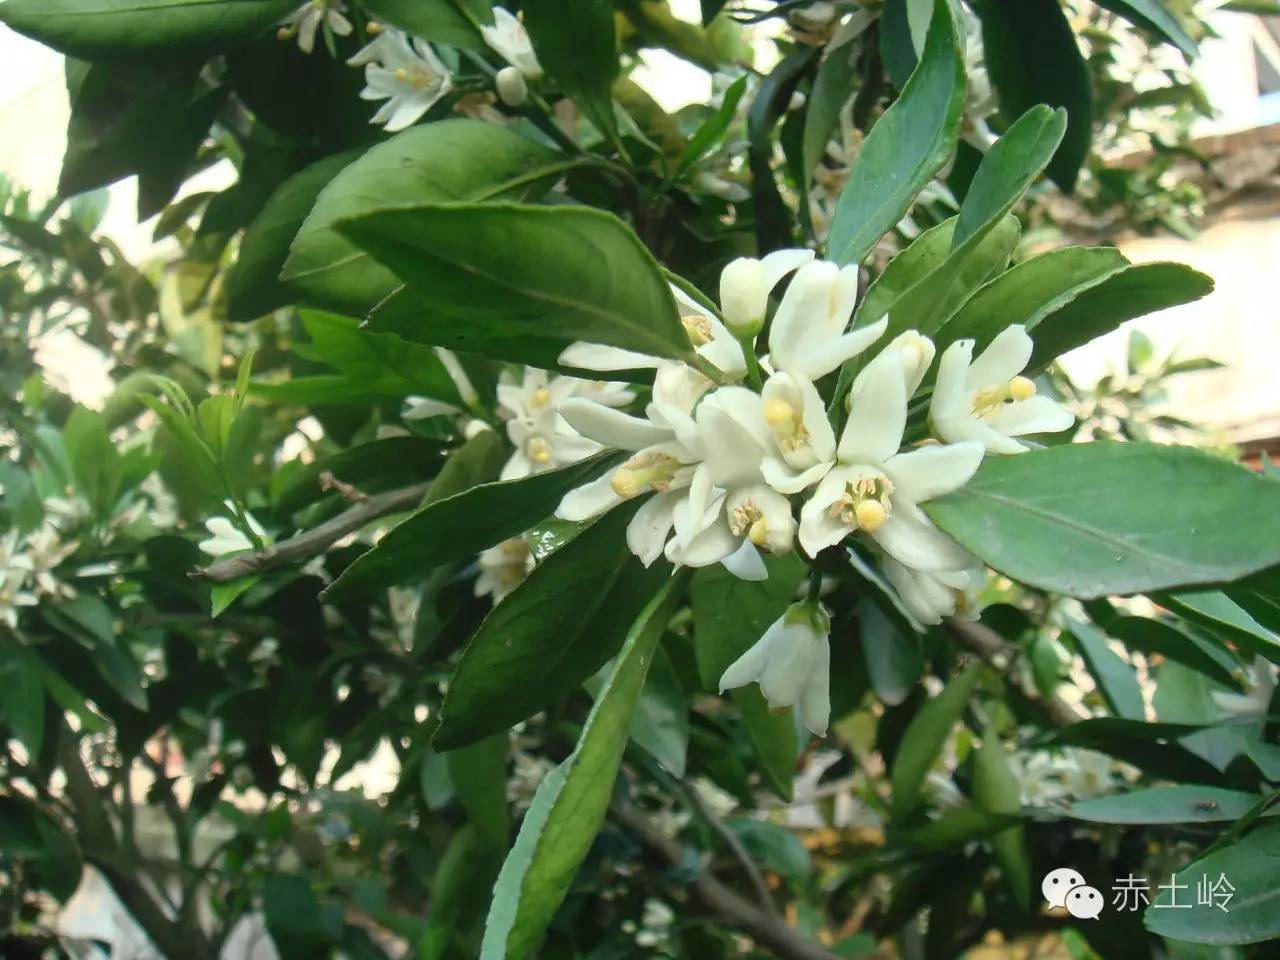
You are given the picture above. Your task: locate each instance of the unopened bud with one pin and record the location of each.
(743, 296)
(511, 86)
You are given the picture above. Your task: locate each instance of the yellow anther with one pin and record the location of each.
(870, 515)
(284, 33)
(759, 532)
(373, 28)
(515, 548)
(779, 415)
(401, 74)
(1022, 388)
(539, 450)
(644, 471)
(541, 397)
(697, 327)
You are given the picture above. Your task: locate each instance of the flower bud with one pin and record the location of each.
(744, 296)
(512, 88)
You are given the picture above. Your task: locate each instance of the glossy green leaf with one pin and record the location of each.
(441, 21)
(1133, 292)
(1252, 915)
(454, 160)
(905, 148)
(253, 282)
(1216, 611)
(661, 723)
(713, 128)
(479, 776)
(996, 790)
(391, 461)
(833, 85)
(113, 28)
(1092, 519)
(925, 736)
(575, 43)
(572, 800)
(95, 462)
(22, 706)
(509, 269)
(1155, 16)
(1149, 635)
(729, 616)
(1033, 58)
(551, 633)
(460, 526)
(1115, 678)
(1029, 291)
(1180, 804)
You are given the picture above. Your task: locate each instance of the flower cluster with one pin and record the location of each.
(733, 470)
(27, 570)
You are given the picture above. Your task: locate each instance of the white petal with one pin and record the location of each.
(1005, 357)
(818, 528)
(796, 328)
(589, 500)
(814, 705)
(648, 530)
(734, 436)
(1036, 415)
(930, 472)
(828, 356)
(878, 416)
(951, 397)
(517, 467)
(725, 354)
(910, 537)
(408, 111)
(778, 264)
(779, 475)
(924, 596)
(822, 438)
(712, 545)
(611, 427)
(748, 667)
(700, 506)
(968, 428)
(745, 563)
(597, 356)
(791, 659)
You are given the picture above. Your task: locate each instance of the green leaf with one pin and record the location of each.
(1132, 292)
(995, 790)
(508, 269)
(31, 836)
(1092, 519)
(391, 461)
(1180, 804)
(300, 925)
(454, 160)
(551, 633)
(832, 87)
(223, 595)
(460, 526)
(113, 28)
(441, 21)
(88, 620)
(253, 284)
(925, 736)
(1033, 58)
(95, 462)
(1029, 291)
(894, 662)
(1219, 613)
(571, 802)
(22, 706)
(729, 616)
(1162, 637)
(1116, 679)
(713, 128)
(776, 848)
(575, 43)
(479, 776)
(905, 148)
(1252, 914)
(1153, 15)
(661, 724)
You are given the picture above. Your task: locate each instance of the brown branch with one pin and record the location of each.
(329, 482)
(313, 542)
(734, 843)
(992, 647)
(767, 930)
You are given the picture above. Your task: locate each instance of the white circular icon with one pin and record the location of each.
(1058, 883)
(1085, 903)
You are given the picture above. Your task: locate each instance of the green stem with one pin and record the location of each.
(754, 379)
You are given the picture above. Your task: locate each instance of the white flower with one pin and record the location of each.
(931, 596)
(229, 538)
(47, 551)
(987, 400)
(716, 185)
(876, 489)
(511, 86)
(1255, 702)
(542, 438)
(405, 72)
(1045, 779)
(307, 19)
(745, 285)
(509, 39)
(15, 568)
(792, 663)
(503, 568)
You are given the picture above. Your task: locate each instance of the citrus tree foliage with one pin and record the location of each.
(682, 507)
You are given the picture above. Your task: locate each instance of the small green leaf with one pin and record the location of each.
(925, 736)
(1216, 611)
(571, 803)
(713, 128)
(458, 527)
(1116, 679)
(1092, 519)
(1180, 804)
(905, 148)
(441, 21)
(509, 269)
(551, 633)
(223, 595)
(1153, 15)
(1252, 915)
(22, 706)
(95, 462)
(995, 790)
(575, 43)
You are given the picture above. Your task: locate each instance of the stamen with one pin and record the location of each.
(865, 504)
(373, 28)
(990, 399)
(787, 424)
(541, 397)
(697, 327)
(1022, 388)
(539, 450)
(644, 471)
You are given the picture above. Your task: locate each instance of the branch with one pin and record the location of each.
(313, 542)
(734, 843)
(769, 931)
(992, 647)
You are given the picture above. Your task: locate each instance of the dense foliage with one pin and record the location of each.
(673, 521)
